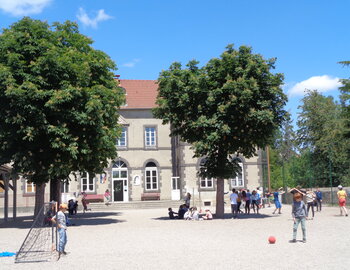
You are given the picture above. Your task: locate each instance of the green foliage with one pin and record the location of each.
(321, 131)
(320, 153)
(230, 106)
(58, 101)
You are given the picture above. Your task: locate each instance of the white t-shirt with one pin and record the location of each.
(233, 198)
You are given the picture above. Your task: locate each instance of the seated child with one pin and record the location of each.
(208, 215)
(182, 211)
(195, 214)
(188, 214)
(172, 213)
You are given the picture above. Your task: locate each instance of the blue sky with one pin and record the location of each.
(143, 37)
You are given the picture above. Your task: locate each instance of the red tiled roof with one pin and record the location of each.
(140, 94)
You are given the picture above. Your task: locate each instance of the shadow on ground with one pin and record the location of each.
(89, 218)
(226, 216)
(93, 218)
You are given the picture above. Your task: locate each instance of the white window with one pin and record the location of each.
(122, 141)
(87, 183)
(120, 170)
(150, 137)
(65, 186)
(30, 187)
(207, 183)
(151, 173)
(238, 181)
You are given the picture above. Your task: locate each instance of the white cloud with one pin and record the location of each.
(131, 64)
(23, 7)
(87, 21)
(322, 84)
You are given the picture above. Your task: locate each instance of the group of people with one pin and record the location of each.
(249, 200)
(189, 213)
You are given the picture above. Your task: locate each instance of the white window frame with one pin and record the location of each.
(235, 181)
(150, 178)
(151, 134)
(206, 181)
(65, 186)
(32, 185)
(123, 135)
(89, 181)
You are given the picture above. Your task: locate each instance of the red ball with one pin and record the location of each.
(272, 240)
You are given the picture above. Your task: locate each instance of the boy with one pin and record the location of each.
(172, 213)
(60, 220)
(299, 214)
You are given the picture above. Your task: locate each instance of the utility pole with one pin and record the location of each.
(268, 168)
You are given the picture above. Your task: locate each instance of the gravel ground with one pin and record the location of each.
(147, 239)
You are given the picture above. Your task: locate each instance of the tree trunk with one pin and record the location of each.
(220, 206)
(39, 198)
(55, 191)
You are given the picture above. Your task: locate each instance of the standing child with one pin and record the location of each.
(342, 200)
(299, 214)
(276, 197)
(254, 197)
(60, 220)
(107, 197)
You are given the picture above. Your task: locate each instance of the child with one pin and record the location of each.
(299, 214)
(342, 200)
(195, 213)
(172, 213)
(208, 215)
(182, 211)
(107, 196)
(188, 214)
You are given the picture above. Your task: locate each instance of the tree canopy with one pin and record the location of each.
(231, 106)
(58, 101)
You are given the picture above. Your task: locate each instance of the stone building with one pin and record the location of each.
(150, 164)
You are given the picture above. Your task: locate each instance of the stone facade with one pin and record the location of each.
(148, 160)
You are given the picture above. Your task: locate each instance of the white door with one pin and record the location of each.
(175, 188)
(120, 182)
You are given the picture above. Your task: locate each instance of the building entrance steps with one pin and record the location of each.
(135, 205)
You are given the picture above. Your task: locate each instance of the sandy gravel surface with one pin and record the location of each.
(146, 239)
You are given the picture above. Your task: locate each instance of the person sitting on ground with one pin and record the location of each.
(195, 213)
(188, 214)
(182, 211)
(172, 214)
(208, 215)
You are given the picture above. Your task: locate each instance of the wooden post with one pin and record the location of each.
(6, 203)
(14, 183)
(268, 168)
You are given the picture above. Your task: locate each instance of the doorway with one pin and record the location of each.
(120, 182)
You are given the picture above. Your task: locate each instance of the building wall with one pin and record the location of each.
(135, 155)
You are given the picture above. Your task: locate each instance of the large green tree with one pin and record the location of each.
(58, 103)
(321, 128)
(229, 107)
